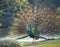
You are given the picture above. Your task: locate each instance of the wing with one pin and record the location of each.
(42, 37)
(46, 38)
(21, 37)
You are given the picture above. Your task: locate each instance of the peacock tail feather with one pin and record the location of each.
(44, 18)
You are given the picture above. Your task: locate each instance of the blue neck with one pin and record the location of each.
(30, 30)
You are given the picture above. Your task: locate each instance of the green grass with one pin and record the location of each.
(24, 43)
(47, 43)
(50, 43)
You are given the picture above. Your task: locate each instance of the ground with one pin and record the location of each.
(47, 43)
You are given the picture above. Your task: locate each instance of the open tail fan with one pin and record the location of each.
(43, 20)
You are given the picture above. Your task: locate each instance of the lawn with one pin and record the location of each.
(51, 43)
(48, 43)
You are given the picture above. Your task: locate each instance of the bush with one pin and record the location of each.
(9, 43)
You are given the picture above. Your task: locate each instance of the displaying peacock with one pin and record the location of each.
(42, 20)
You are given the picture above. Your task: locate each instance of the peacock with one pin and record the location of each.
(45, 18)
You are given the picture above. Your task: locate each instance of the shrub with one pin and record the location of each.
(9, 43)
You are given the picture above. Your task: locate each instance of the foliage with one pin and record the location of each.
(58, 10)
(9, 43)
(8, 11)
